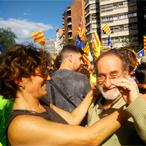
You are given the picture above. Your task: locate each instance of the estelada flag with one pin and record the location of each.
(81, 30)
(144, 45)
(136, 55)
(87, 48)
(106, 28)
(97, 46)
(39, 37)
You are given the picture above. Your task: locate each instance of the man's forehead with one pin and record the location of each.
(109, 63)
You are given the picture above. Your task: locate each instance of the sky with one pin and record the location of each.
(27, 16)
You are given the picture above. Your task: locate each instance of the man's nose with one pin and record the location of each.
(107, 82)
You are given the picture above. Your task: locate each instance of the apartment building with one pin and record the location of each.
(59, 39)
(71, 19)
(92, 17)
(49, 46)
(122, 17)
(66, 16)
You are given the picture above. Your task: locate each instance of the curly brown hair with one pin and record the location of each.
(20, 61)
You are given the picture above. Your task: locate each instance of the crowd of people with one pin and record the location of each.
(74, 104)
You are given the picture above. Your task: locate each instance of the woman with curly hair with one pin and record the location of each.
(23, 76)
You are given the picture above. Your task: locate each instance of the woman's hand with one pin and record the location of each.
(127, 88)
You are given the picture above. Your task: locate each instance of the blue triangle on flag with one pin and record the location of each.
(141, 53)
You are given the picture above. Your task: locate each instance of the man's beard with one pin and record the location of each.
(107, 94)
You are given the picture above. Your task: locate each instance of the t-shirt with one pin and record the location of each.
(74, 85)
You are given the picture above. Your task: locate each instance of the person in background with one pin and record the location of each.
(23, 77)
(74, 85)
(140, 74)
(111, 72)
(5, 110)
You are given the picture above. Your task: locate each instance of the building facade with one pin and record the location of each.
(71, 19)
(92, 17)
(59, 40)
(49, 46)
(122, 17)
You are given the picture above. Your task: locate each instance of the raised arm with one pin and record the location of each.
(38, 131)
(79, 113)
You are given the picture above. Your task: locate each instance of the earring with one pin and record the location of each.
(23, 87)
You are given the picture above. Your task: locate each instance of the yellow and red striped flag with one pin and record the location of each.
(144, 45)
(106, 28)
(136, 55)
(81, 30)
(87, 48)
(39, 37)
(86, 59)
(97, 46)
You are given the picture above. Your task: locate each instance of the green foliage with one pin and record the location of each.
(7, 38)
(138, 48)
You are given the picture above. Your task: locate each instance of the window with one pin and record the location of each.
(107, 19)
(126, 27)
(87, 19)
(115, 29)
(86, 10)
(93, 6)
(114, 6)
(104, 41)
(121, 5)
(135, 38)
(131, 2)
(107, 8)
(133, 26)
(121, 27)
(95, 16)
(115, 39)
(123, 16)
(115, 17)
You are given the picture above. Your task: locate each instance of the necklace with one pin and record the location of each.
(21, 110)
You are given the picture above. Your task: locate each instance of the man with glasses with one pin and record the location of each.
(110, 67)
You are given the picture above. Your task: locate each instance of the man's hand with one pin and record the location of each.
(127, 88)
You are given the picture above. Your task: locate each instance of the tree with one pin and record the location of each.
(7, 38)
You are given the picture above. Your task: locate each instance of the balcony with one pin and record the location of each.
(68, 15)
(62, 16)
(68, 8)
(69, 23)
(69, 30)
(62, 22)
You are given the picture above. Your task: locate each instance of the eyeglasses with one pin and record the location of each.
(43, 76)
(102, 78)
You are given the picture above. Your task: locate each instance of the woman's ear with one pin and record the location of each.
(19, 82)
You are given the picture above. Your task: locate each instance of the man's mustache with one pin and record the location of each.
(105, 88)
